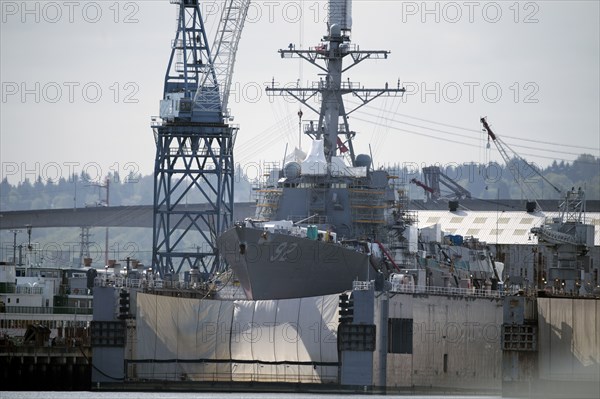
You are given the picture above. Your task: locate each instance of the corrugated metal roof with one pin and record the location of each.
(497, 227)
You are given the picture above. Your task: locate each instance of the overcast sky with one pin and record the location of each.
(80, 81)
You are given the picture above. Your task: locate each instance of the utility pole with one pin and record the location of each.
(28, 245)
(15, 232)
(106, 229)
(106, 203)
(84, 251)
(299, 130)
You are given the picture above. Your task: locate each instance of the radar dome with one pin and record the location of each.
(335, 30)
(363, 160)
(292, 170)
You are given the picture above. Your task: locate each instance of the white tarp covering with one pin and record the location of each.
(292, 340)
(295, 156)
(286, 331)
(339, 168)
(242, 335)
(315, 163)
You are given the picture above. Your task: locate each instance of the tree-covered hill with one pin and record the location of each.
(483, 181)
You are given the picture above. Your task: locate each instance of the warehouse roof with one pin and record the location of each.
(502, 227)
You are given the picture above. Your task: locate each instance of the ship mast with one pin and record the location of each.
(328, 56)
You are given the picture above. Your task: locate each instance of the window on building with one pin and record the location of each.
(445, 362)
(400, 335)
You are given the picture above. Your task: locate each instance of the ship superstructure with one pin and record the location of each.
(332, 185)
(329, 217)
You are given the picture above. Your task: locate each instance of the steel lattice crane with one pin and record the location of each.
(194, 141)
(226, 42)
(433, 178)
(517, 172)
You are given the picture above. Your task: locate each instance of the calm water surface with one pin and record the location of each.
(167, 395)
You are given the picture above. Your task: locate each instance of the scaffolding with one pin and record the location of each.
(267, 203)
(368, 206)
(402, 210)
(266, 193)
(399, 237)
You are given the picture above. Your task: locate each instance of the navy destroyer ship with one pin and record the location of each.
(328, 218)
(313, 320)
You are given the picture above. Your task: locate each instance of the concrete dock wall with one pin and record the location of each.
(569, 346)
(455, 342)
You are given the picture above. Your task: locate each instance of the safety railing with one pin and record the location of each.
(362, 285)
(452, 291)
(45, 310)
(27, 290)
(146, 284)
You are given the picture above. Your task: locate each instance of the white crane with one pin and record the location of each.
(517, 172)
(223, 51)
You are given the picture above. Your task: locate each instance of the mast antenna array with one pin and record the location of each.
(328, 56)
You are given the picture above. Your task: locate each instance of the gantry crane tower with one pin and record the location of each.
(194, 141)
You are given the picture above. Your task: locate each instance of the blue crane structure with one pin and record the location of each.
(194, 141)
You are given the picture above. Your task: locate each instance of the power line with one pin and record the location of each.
(466, 144)
(468, 136)
(479, 131)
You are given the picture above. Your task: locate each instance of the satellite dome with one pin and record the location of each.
(292, 170)
(335, 30)
(363, 160)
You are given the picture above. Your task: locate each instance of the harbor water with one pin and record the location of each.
(192, 395)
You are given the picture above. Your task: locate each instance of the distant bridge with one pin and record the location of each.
(141, 215)
(112, 216)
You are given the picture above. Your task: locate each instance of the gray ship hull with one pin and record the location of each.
(281, 266)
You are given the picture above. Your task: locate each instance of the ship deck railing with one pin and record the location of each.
(362, 285)
(120, 282)
(449, 291)
(146, 284)
(63, 310)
